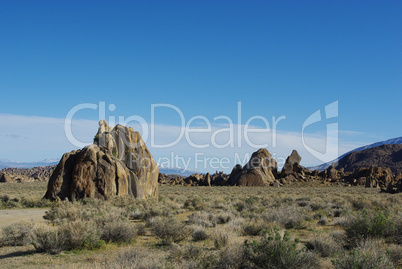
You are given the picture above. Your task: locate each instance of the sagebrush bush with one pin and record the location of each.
(119, 231)
(80, 235)
(17, 234)
(287, 216)
(169, 230)
(273, 250)
(359, 259)
(195, 203)
(200, 234)
(222, 237)
(368, 224)
(255, 227)
(49, 240)
(202, 218)
(326, 245)
(224, 217)
(138, 258)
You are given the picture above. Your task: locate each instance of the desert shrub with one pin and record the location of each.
(222, 237)
(138, 258)
(323, 221)
(200, 234)
(363, 259)
(141, 229)
(17, 234)
(397, 231)
(224, 217)
(80, 235)
(49, 240)
(231, 257)
(394, 253)
(255, 227)
(324, 244)
(288, 216)
(202, 218)
(119, 231)
(195, 203)
(239, 206)
(31, 202)
(169, 230)
(186, 252)
(369, 224)
(63, 211)
(360, 204)
(273, 250)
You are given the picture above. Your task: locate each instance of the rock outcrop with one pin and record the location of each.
(291, 164)
(41, 173)
(257, 172)
(117, 164)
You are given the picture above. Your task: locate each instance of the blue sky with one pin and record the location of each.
(276, 57)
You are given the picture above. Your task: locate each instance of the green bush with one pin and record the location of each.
(369, 224)
(273, 250)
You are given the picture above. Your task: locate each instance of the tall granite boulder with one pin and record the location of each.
(257, 172)
(117, 164)
(291, 164)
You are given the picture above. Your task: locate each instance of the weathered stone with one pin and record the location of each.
(117, 164)
(6, 178)
(291, 164)
(257, 172)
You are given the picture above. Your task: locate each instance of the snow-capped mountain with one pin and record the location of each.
(176, 171)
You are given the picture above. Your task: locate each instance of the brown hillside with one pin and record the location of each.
(389, 156)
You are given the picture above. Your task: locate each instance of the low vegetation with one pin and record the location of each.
(211, 227)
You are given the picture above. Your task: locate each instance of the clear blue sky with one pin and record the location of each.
(276, 57)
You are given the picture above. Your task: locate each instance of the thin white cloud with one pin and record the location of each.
(46, 138)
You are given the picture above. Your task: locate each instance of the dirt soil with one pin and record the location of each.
(9, 216)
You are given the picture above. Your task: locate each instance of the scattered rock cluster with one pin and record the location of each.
(117, 164)
(26, 174)
(262, 170)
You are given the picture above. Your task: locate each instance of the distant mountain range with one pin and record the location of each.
(176, 171)
(324, 166)
(4, 163)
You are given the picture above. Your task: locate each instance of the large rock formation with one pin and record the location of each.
(118, 163)
(291, 164)
(259, 171)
